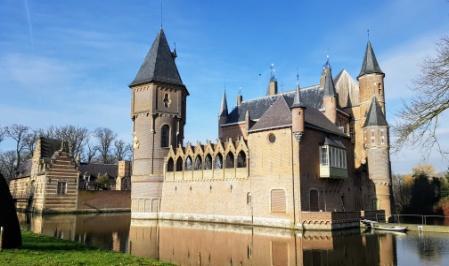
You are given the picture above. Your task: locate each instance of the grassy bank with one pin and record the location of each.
(43, 250)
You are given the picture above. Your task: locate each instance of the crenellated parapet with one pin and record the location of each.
(210, 161)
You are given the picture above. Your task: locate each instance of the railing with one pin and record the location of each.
(421, 219)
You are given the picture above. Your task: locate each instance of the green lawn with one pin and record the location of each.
(43, 250)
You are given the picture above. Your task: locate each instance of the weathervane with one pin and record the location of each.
(273, 72)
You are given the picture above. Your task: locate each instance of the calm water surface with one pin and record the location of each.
(211, 244)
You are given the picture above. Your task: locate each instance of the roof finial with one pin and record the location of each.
(367, 32)
(297, 79)
(161, 14)
(273, 72)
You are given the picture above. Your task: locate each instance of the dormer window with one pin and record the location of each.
(333, 159)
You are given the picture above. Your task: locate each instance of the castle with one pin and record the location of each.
(311, 158)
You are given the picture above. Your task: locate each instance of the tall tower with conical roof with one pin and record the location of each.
(375, 130)
(158, 113)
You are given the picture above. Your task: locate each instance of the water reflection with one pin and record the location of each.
(214, 244)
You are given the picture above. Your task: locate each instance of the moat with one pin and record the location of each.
(185, 243)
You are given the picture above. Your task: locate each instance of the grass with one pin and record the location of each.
(44, 250)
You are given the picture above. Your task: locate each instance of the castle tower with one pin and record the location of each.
(330, 96)
(371, 83)
(375, 131)
(223, 116)
(158, 112)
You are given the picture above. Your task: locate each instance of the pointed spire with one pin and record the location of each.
(329, 87)
(297, 103)
(370, 64)
(273, 84)
(224, 105)
(159, 64)
(375, 116)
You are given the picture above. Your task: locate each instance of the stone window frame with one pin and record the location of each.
(61, 188)
(165, 140)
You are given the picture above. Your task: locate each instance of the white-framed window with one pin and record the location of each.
(62, 188)
(324, 156)
(333, 156)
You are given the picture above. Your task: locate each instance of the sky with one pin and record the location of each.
(70, 62)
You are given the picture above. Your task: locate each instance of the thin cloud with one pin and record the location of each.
(30, 24)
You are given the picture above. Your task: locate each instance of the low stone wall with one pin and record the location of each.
(104, 201)
(329, 220)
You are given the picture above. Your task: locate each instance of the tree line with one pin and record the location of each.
(101, 145)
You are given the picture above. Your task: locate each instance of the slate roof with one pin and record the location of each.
(375, 116)
(311, 97)
(370, 64)
(95, 169)
(334, 142)
(278, 115)
(159, 64)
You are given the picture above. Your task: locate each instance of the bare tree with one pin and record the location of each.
(30, 142)
(122, 150)
(18, 133)
(2, 134)
(105, 138)
(8, 164)
(419, 118)
(90, 152)
(75, 136)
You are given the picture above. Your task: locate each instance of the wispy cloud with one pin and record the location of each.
(30, 24)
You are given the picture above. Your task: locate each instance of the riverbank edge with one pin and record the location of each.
(82, 211)
(30, 240)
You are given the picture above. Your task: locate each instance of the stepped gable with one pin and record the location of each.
(310, 96)
(49, 147)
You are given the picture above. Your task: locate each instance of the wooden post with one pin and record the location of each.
(1, 238)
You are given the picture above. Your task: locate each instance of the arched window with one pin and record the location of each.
(165, 136)
(241, 160)
(188, 163)
(170, 165)
(198, 163)
(229, 160)
(218, 163)
(179, 164)
(208, 162)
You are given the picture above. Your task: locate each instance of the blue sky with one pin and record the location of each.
(69, 62)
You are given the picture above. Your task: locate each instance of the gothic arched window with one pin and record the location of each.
(188, 163)
(179, 164)
(241, 160)
(229, 160)
(208, 162)
(170, 165)
(165, 136)
(218, 163)
(198, 163)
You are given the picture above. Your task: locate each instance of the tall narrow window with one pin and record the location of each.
(208, 162)
(278, 201)
(198, 163)
(323, 155)
(170, 164)
(188, 164)
(241, 160)
(218, 164)
(179, 164)
(165, 136)
(229, 160)
(62, 188)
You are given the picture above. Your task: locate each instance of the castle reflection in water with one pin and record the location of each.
(185, 243)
